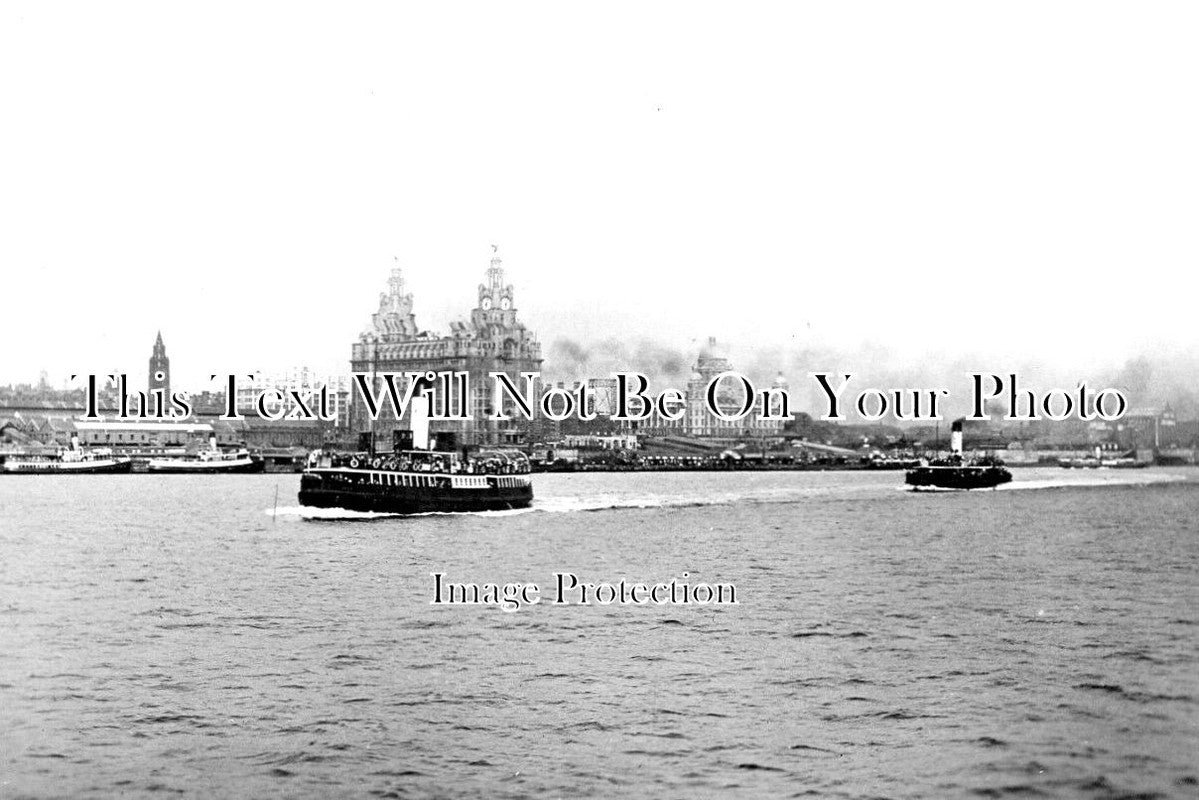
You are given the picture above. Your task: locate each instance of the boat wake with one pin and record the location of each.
(548, 505)
(552, 505)
(572, 505)
(1097, 478)
(311, 512)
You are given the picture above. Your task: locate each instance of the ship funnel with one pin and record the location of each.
(212, 442)
(418, 417)
(955, 437)
(74, 440)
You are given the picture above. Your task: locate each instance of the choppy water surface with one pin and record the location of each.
(175, 635)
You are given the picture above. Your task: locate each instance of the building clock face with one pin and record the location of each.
(505, 304)
(486, 303)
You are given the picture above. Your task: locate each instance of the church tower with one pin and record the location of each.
(160, 370)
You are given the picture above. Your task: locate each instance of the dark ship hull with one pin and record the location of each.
(957, 477)
(391, 492)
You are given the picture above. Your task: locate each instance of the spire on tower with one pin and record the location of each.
(394, 319)
(395, 283)
(495, 273)
(160, 368)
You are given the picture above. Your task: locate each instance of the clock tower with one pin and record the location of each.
(160, 370)
(495, 308)
(501, 343)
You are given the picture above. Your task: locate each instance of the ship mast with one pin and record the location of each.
(373, 340)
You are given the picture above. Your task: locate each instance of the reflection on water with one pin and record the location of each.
(174, 634)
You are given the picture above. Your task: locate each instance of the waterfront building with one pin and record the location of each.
(624, 441)
(494, 340)
(698, 421)
(208, 403)
(1149, 428)
(197, 432)
(308, 382)
(146, 434)
(308, 434)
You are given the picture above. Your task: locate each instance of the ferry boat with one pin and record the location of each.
(1097, 461)
(879, 461)
(1079, 463)
(417, 481)
(955, 472)
(414, 479)
(210, 461)
(67, 461)
(1122, 463)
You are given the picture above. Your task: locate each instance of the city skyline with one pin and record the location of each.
(642, 345)
(1155, 380)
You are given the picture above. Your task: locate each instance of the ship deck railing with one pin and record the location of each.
(432, 462)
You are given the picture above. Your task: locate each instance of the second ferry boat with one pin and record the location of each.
(955, 472)
(210, 461)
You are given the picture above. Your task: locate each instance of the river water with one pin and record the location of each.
(202, 636)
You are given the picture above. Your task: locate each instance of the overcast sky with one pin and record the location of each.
(994, 180)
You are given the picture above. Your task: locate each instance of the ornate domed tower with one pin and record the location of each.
(394, 321)
(499, 343)
(495, 311)
(780, 387)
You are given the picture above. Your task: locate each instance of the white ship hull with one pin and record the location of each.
(209, 466)
(23, 466)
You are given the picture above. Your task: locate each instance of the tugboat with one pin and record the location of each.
(210, 461)
(72, 461)
(412, 479)
(955, 472)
